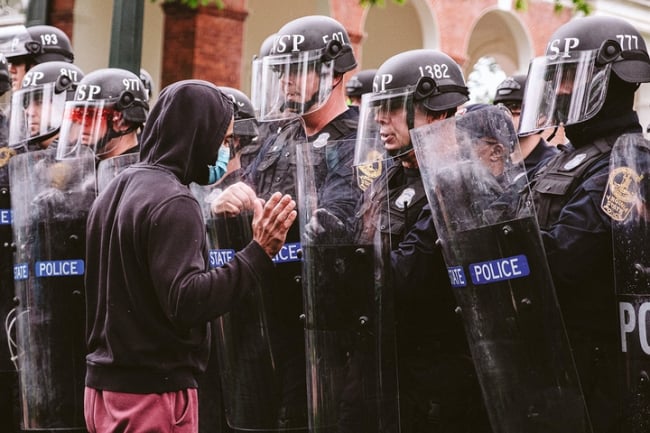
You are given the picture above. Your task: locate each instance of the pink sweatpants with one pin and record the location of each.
(117, 412)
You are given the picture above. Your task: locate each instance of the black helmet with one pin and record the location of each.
(99, 95)
(511, 90)
(316, 32)
(435, 79)
(45, 44)
(37, 108)
(572, 79)
(360, 83)
(245, 122)
(147, 80)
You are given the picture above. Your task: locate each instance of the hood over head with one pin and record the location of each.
(185, 129)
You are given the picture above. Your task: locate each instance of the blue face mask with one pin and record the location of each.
(218, 170)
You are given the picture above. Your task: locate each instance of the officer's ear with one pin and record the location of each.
(497, 151)
(119, 123)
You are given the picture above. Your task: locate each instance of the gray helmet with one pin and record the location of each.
(37, 108)
(511, 90)
(316, 32)
(360, 83)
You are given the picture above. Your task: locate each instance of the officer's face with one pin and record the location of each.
(33, 113)
(299, 86)
(89, 124)
(17, 71)
(393, 127)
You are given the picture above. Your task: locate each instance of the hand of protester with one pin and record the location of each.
(324, 226)
(272, 221)
(234, 200)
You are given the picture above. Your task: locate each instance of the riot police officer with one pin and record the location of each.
(37, 107)
(533, 148)
(360, 83)
(587, 82)
(109, 107)
(34, 45)
(437, 384)
(302, 88)
(243, 144)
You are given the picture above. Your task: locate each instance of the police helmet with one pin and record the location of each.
(45, 44)
(572, 78)
(99, 95)
(435, 79)
(360, 83)
(245, 123)
(511, 90)
(147, 80)
(316, 32)
(37, 108)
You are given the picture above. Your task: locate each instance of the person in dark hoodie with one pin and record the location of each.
(150, 295)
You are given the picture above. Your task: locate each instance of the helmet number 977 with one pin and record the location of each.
(131, 84)
(49, 39)
(435, 71)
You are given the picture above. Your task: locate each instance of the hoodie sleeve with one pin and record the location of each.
(189, 294)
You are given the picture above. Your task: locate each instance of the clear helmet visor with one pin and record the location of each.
(563, 91)
(292, 85)
(384, 124)
(36, 114)
(256, 85)
(86, 126)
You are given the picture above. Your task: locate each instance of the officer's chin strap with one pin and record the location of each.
(100, 147)
(552, 135)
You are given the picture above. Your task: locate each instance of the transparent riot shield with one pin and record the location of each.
(349, 323)
(111, 167)
(50, 202)
(626, 201)
(260, 342)
(499, 274)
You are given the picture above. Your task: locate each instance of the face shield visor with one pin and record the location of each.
(36, 114)
(384, 121)
(563, 90)
(292, 85)
(86, 126)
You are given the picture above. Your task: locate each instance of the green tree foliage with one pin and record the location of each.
(522, 5)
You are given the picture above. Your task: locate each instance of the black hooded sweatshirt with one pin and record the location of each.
(150, 293)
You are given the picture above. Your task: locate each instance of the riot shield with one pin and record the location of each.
(111, 167)
(349, 323)
(50, 203)
(260, 343)
(499, 274)
(626, 201)
(9, 407)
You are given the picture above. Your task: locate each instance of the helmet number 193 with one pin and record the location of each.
(49, 39)
(435, 71)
